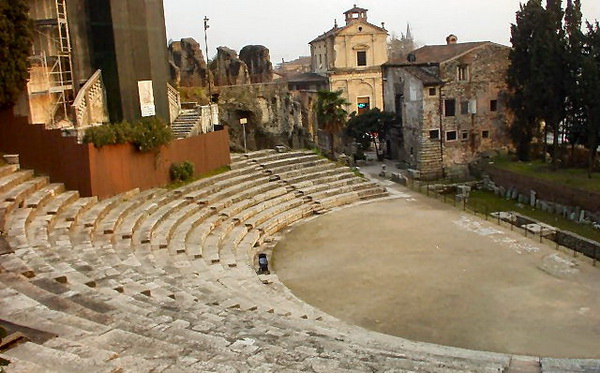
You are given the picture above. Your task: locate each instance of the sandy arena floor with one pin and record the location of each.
(416, 268)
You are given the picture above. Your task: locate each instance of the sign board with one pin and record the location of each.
(146, 93)
(243, 120)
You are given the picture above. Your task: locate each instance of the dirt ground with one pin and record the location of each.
(416, 268)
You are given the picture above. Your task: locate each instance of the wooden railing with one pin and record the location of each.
(90, 104)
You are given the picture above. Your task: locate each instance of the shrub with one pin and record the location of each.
(100, 135)
(181, 171)
(147, 134)
(150, 134)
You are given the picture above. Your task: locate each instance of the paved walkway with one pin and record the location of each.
(416, 268)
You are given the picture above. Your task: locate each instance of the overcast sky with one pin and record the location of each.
(286, 26)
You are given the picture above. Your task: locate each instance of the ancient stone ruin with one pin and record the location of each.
(258, 61)
(228, 69)
(187, 63)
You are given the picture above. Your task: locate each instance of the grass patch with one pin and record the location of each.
(572, 177)
(485, 201)
(205, 175)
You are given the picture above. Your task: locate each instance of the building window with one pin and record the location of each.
(434, 134)
(432, 91)
(485, 134)
(361, 58)
(450, 135)
(464, 107)
(463, 73)
(493, 105)
(363, 104)
(464, 135)
(450, 107)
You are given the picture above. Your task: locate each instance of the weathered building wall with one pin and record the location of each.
(434, 140)
(367, 83)
(487, 129)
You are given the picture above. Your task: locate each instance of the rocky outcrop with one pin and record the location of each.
(274, 116)
(188, 66)
(258, 61)
(228, 69)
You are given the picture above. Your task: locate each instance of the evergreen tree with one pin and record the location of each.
(536, 74)
(370, 127)
(331, 114)
(590, 88)
(525, 125)
(548, 71)
(16, 34)
(574, 118)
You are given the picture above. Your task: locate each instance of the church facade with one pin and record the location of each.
(351, 58)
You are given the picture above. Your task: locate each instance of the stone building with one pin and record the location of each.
(351, 57)
(451, 106)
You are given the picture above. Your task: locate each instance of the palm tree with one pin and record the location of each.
(331, 114)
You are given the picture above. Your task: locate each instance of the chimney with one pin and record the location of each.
(451, 39)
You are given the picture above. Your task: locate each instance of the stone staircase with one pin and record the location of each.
(186, 123)
(165, 280)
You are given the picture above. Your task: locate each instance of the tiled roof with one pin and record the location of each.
(336, 30)
(356, 10)
(306, 77)
(423, 75)
(442, 53)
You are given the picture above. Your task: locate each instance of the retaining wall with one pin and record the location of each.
(109, 170)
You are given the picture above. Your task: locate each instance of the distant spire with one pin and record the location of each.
(408, 32)
(335, 25)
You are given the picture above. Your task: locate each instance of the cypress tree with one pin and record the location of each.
(590, 91)
(16, 34)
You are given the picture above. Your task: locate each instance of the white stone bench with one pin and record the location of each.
(13, 179)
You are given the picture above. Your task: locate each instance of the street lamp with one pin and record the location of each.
(210, 108)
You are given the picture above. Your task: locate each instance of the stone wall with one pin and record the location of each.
(486, 74)
(275, 116)
(417, 93)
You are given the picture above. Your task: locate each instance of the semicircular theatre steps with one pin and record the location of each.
(166, 278)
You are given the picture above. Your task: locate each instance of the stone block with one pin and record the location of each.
(514, 193)
(414, 174)
(11, 158)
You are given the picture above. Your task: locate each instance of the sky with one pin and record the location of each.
(287, 26)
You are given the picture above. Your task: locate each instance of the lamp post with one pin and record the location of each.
(243, 122)
(206, 26)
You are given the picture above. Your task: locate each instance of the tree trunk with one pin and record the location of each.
(545, 148)
(331, 146)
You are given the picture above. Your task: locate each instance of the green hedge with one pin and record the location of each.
(146, 135)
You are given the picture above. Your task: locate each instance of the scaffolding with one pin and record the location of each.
(51, 63)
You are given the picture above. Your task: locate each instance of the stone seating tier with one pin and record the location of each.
(164, 280)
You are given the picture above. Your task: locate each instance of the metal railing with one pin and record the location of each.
(561, 240)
